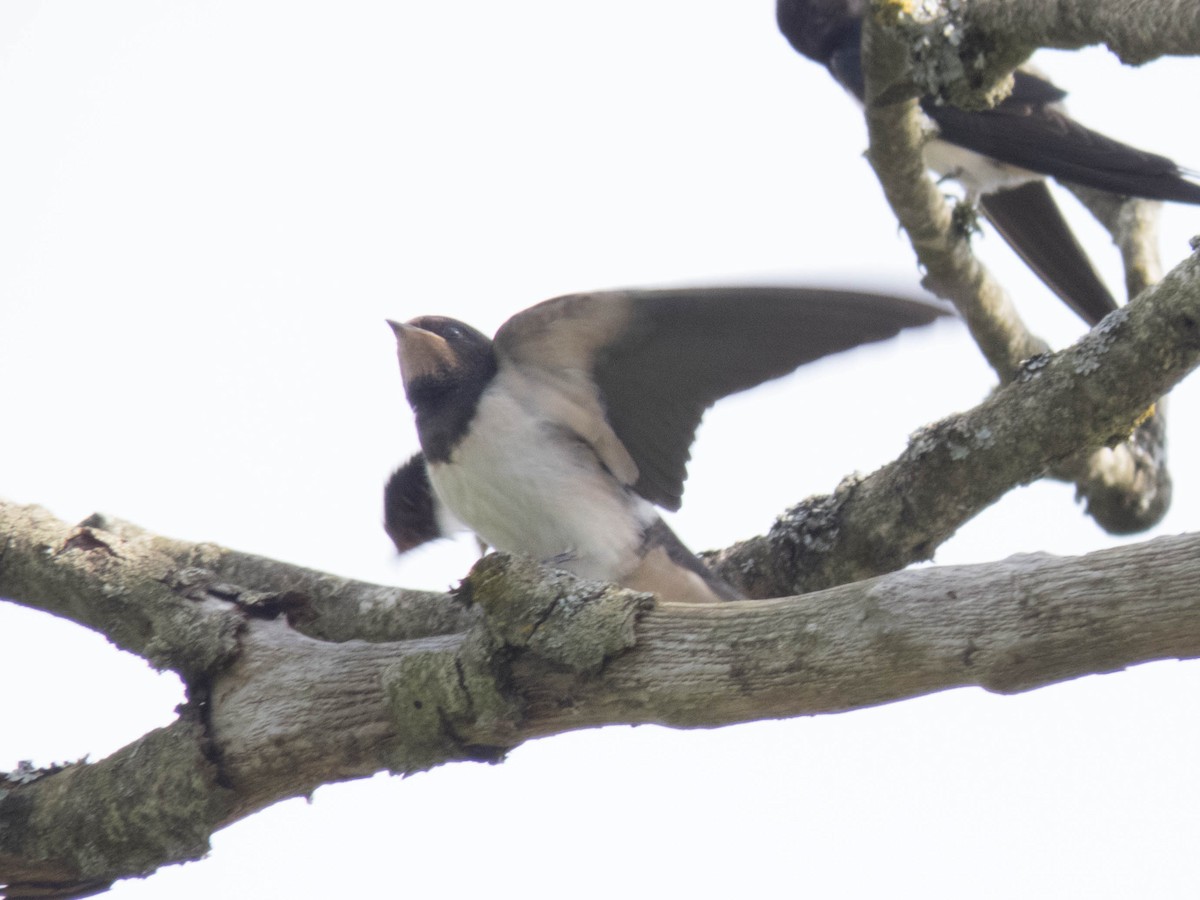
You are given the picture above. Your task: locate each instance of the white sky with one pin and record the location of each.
(207, 209)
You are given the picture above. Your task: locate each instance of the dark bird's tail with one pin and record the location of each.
(1029, 219)
(674, 572)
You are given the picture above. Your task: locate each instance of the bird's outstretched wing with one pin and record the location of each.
(659, 358)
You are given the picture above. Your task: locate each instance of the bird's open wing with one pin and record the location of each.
(659, 358)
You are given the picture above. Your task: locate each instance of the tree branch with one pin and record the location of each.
(1135, 32)
(159, 596)
(122, 588)
(963, 53)
(549, 654)
(1010, 626)
(73, 831)
(1127, 487)
(897, 139)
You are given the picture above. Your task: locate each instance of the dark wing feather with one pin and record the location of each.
(660, 358)
(1030, 90)
(410, 506)
(1024, 130)
(1029, 219)
(686, 349)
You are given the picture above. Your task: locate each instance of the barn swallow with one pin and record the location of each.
(1001, 154)
(557, 439)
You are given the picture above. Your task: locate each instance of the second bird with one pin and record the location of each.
(1001, 154)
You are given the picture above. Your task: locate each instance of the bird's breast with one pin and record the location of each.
(527, 483)
(979, 174)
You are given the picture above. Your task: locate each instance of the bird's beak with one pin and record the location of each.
(422, 353)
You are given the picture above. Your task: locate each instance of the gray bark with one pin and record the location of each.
(283, 713)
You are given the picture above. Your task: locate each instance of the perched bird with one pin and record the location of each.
(557, 439)
(1001, 154)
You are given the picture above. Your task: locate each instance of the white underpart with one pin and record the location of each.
(526, 485)
(448, 524)
(977, 173)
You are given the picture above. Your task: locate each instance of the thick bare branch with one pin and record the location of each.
(331, 608)
(551, 654)
(1127, 487)
(74, 831)
(1010, 626)
(963, 52)
(180, 604)
(1137, 31)
(123, 588)
(316, 603)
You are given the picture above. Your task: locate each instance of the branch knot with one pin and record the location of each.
(566, 621)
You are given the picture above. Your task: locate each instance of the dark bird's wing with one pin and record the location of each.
(658, 359)
(1028, 218)
(1026, 129)
(410, 508)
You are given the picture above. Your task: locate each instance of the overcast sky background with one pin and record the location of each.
(207, 210)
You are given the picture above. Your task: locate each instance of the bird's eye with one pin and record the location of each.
(454, 332)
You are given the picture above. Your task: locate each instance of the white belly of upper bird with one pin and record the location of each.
(978, 174)
(525, 485)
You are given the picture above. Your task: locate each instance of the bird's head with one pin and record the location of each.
(815, 28)
(438, 356)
